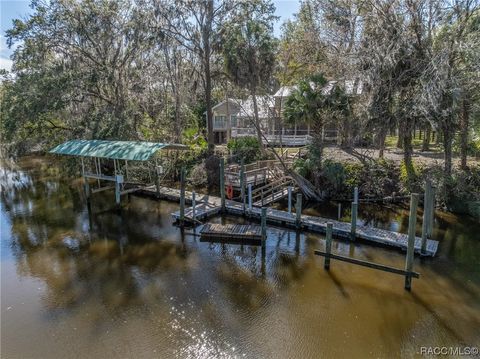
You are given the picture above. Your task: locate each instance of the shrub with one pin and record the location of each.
(412, 183)
(247, 148)
(303, 167)
(198, 175)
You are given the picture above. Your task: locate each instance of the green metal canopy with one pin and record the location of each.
(118, 150)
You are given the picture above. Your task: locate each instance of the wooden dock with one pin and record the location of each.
(312, 223)
(231, 231)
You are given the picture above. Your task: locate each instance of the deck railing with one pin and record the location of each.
(301, 138)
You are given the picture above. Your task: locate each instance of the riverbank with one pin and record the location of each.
(128, 283)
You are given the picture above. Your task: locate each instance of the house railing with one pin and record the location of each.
(302, 137)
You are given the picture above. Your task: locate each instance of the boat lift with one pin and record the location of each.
(118, 152)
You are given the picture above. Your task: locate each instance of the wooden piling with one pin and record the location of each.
(86, 186)
(339, 214)
(118, 182)
(222, 183)
(427, 207)
(298, 210)
(328, 246)
(355, 195)
(264, 223)
(182, 196)
(412, 223)
(250, 204)
(157, 182)
(193, 206)
(264, 231)
(353, 227)
(289, 199)
(432, 212)
(242, 184)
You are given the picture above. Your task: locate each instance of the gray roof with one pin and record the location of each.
(352, 87)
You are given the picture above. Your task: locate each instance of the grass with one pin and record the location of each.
(391, 142)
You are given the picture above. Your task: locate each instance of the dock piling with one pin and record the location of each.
(339, 215)
(328, 246)
(353, 227)
(157, 181)
(249, 196)
(242, 184)
(427, 207)
(264, 223)
(193, 206)
(222, 183)
(264, 230)
(412, 222)
(298, 210)
(182, 195)
(289, 199)
(118, 182)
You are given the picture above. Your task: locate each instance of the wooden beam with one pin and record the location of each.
(368, 264)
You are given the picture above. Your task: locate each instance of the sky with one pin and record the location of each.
(14, 9)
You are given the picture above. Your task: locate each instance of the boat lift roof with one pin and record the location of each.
(115, 150)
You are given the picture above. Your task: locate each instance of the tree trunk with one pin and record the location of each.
(401, 131)
(206, 32)
(464, 126)
(447, 149)
(317, 151)
(407, 151)
(381, 141)
(426, 138)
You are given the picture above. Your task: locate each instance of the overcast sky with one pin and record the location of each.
(13, 9)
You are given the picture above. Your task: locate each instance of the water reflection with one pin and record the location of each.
(140, 285)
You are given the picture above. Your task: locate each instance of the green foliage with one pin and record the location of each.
(410, 178)
(304, 167)
(376, 179)
(247, 148)
(249, 46)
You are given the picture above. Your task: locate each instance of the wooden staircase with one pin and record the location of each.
(272, 191)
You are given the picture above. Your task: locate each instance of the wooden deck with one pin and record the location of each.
(312, 223)
(234, 231)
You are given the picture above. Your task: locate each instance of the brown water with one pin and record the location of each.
(128, 284)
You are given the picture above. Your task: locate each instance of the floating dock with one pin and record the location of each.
(228, 232)
(211, 205)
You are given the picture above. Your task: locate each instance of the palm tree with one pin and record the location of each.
(314, 102)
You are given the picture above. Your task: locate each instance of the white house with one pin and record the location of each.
(235, 117)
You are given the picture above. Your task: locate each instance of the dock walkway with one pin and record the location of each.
(210, 205)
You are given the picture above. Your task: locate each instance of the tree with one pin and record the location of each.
(454, 74)
(89, 56)
(312, 103)
(249, 50)
(196, 26)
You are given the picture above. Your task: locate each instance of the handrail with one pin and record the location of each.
(273, 184)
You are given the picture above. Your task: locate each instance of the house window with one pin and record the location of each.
(219, 122)
(233, 120)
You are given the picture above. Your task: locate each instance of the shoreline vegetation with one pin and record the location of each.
(396, 82)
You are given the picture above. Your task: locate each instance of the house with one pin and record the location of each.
(235, 118)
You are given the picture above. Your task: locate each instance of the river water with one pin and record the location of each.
(127, 284)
